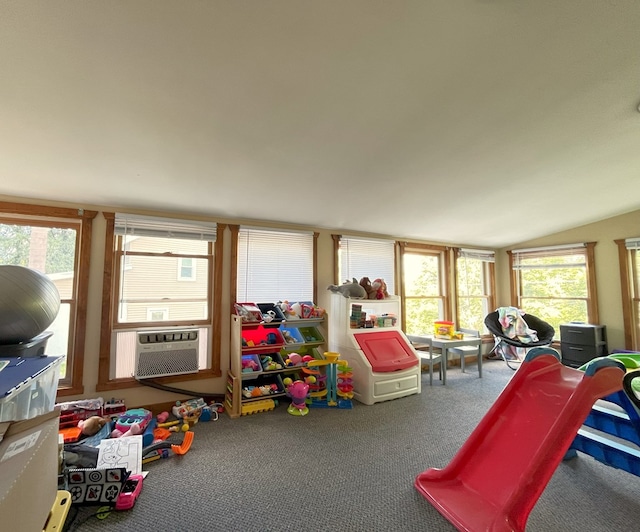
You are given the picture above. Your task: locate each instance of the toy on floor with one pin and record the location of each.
(92, 425)
(160, 449)
(298, 391)
(333, 385)
(538, 413)
(176, 425)
(254, 407)
(129, 493)
(619, 451)
(189, 410)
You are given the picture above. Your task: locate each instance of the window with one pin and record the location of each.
(629, 255)
(555, 284)
(186, 269)
(365, 257)
(425, 281)
(157, 314)
(475, 287)
(54, 241)
(275, 265)
(146, 293)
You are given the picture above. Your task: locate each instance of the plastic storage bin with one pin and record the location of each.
(262, 337)
(311, 335)
(273, 311)
(291, 335)
(28, 387)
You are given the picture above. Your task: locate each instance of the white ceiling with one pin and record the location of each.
(477, 122)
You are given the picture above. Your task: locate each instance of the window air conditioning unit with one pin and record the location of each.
(165, 353)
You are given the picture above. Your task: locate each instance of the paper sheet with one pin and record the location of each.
(121, 452)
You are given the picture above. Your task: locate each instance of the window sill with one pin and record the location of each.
(121, 384)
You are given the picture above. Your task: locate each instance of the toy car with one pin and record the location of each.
(129, 492)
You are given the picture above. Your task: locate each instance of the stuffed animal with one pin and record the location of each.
(381, 289)
(91, 425)
(365, 283)
(349, 289)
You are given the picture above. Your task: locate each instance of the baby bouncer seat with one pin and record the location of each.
(515, 332)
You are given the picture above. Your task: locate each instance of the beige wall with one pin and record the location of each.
(608, 284)
(607, 266)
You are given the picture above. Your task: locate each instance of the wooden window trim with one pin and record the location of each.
(235, 232)
(83, 255)
(630, 333)
(491, 284)
(109, 284)
(427, 249)
(592, 291)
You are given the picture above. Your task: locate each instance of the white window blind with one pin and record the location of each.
(364, 257)
(528, 258)
(137, 225)
(478, 254)
(274, 265)
(632, 243)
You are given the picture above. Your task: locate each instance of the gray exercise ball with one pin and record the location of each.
(29, 302)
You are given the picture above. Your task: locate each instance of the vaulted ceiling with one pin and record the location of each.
(477, 122)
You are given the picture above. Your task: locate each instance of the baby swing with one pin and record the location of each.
(516, 332)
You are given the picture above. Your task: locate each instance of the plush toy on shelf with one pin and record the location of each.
(381, 289)
(365, 283)
(350, 289)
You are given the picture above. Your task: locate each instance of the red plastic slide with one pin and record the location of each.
(497, 476)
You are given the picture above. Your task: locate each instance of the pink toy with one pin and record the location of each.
(249, 364)
(381, 289)
(298, 391)
(134, 430)
(162, 417)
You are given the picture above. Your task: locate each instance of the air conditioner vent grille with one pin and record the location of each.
(162, 364)
(166, 353)
(161, 337)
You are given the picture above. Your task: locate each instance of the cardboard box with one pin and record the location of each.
(28, 471)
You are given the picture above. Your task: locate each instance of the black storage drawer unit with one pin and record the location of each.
(581, 342)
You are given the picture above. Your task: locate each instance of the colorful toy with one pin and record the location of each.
(380, 288)
(138, 416)
(286, 309)
(268, 364)
(330, 381)
(129, 492)
(176, 425)
(616, 415)
(249, 364)
(159, 449)
(538, 413)
(190, 408)
(254, 407)
(294, 359)
(298, 391)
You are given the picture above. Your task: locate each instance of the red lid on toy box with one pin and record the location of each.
(386, 350)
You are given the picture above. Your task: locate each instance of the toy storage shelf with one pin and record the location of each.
(258, 342)
(385, 365)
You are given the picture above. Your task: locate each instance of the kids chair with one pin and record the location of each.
(465, 350)
(424, 347)
(503, 341)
